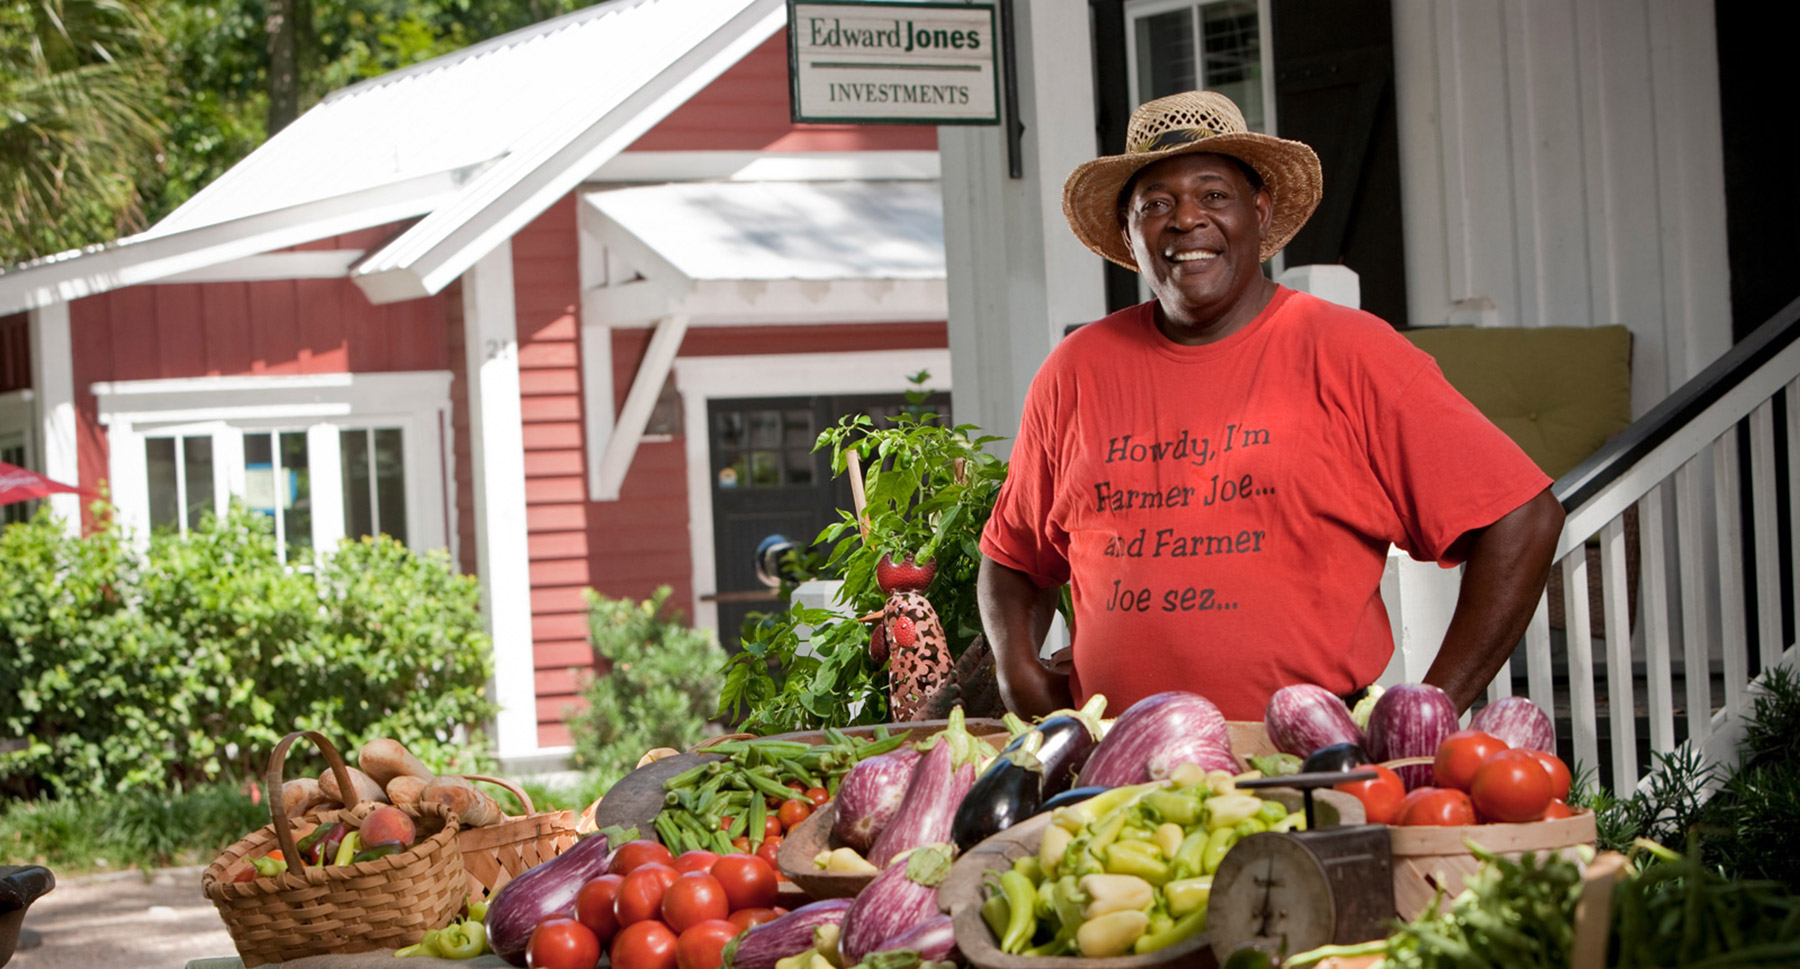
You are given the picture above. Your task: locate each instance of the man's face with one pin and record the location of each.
(1196, 226)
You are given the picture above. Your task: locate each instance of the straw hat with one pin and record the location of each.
(1190, 123)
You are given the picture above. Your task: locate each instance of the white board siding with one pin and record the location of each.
(1561, 159)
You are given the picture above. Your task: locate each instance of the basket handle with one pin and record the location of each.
(272, 781)
(514, 789)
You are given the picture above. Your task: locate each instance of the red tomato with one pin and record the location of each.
(702, 945)
(749, 881)
(1436, 805)
(770, 850)
(796, 785)
(641, 893)
(696, 860)
(793, 811)
(562, 943)
(1380, 797)
(771, 825)
(594, 906)
(1558, 771)
(1459, 756)
(1511, 786)
(1558, 809)
(817, 795)
(741, 843)
(725, 822)
(627, 857)
(694, 898)
(750, 918)
(644, 945)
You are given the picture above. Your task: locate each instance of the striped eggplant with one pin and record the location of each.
(547, 889)
(1303, 717)
(789, 935)
(1157, 733)
(899, 899)
(936, 789)
(869, 795)
(1410, 720)
(1518, 721)
(933, 939)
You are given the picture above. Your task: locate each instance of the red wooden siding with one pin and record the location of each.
(15, 352)
(746, 109)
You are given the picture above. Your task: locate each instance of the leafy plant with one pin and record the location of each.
(930, 489)
(660, 685)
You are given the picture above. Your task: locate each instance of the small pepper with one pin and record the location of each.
(1249, 826)
(1186, 927)
(1189, 858)
(1021, 923)
(348, 848)
(1051, 849)
(1187, 894)
(1114, 893)
(1182, 809)
(1111, 934)
(462, 940)
(1226, 810)
(1271, 812)
(996, 912)
(1028, 866)
(1167, 838)
(1138, 858)
(426, 946)
(1217, 844)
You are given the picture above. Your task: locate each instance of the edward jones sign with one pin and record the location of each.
(893, 63)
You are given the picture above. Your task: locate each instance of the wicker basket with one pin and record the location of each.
(384, 903)
(497, 853)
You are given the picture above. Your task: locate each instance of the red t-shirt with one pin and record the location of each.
(1223, 512)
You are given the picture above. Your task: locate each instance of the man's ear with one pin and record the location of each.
(1265, 209)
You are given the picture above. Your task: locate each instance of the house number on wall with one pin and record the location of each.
(500, 349)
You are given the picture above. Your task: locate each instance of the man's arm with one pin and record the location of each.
(1015, 615)
(1503, 575)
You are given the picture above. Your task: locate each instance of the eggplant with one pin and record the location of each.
(1303, 717)
(1335, 759)
(1037, 764)
(1155, 734)
(791, 934)
(933, 795)
(933, 939)
(1073, 795)
(1517, 721)
(869, 796)
(1411, 720)
(548, 889)
(899, 899)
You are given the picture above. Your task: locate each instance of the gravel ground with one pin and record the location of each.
(128, 919)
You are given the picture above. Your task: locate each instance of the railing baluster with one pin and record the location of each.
(1696, 608)
(1540, 678)
(1653, 605)
(1615, 606)
(1732, 641)
(1501, 684)
(1765, 528)
(1583, 723)
(1793, 469)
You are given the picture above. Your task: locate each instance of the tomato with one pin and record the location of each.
(1380, 797)
(796, 785)
(628, 856)
(1558, 771)
(562, 943)
(741, 843)
(771, 825)
(694, 898)
(641, 893)
(1460, 754)
(644, 945)
(749, 881)
(770, 850)
(725, 822)
(1558, 809)
(817, 795)
(702, 945)
(1436, 805)
(594, 906)
(750, 918)
(1511, 786)
(793, 811)
(696, 860)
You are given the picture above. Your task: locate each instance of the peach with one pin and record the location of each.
(387, 824)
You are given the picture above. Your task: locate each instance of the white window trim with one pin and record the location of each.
(418, 402)
(703, 379)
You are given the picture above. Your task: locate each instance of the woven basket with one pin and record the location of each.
(497, 853)
(385, 903)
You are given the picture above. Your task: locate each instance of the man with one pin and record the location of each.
(1218, 473)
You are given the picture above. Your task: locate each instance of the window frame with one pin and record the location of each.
(1136, 10)
(18, 421)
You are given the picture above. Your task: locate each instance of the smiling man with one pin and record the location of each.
(1218, 473)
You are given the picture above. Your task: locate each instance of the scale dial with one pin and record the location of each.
(1271, 892)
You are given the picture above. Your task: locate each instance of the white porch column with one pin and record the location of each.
(497, 446)
(53, 383)
(1017, 275)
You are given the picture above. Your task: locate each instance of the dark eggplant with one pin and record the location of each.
(1073, 795)
(1335, 759)
(1039, 763)
(791, 934)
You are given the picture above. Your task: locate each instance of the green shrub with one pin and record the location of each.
(139, 828)
(187, 661)
(661, 684)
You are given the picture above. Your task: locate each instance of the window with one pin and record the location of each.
(12, 451)
(374, 480)
(1213, 46)
(180, 471)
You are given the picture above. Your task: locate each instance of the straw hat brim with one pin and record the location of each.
(1289, 170)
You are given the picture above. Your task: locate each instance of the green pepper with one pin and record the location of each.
(1028, 866)
(478, 910)
(996, 912)
(1168, 838)
(1176, 806)
(462, 940)
(1272, 811)
(1187, 894)
(1113, 893)
(1248, 827)
(266, 866)
(1187, 927)
(1136, 858)
(1052, 848)
(348, 848)
(1021, 923)
(1217, 844)
(426, 946)
(1189, 859)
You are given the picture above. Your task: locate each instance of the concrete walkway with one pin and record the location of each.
(126, 919)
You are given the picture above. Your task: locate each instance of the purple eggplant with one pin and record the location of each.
(791, 934)
(1518, 721)
(1410, 720)
(1303, 717)
(1156, 734)
(870, 794)
(933, 939)
(548, 889)
(936, 790)
(899, 899)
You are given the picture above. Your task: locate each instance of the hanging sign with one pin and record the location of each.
(893, 63)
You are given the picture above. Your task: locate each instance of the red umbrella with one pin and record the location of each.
(21, 484)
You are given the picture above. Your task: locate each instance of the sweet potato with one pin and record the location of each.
(366, 788)
(470, 803)
(303, 794)
(384, 759)
(404, 790)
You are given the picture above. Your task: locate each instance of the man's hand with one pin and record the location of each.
(1015, 615)
(1503, 576)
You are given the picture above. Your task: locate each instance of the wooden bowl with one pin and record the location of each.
(803, 844)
